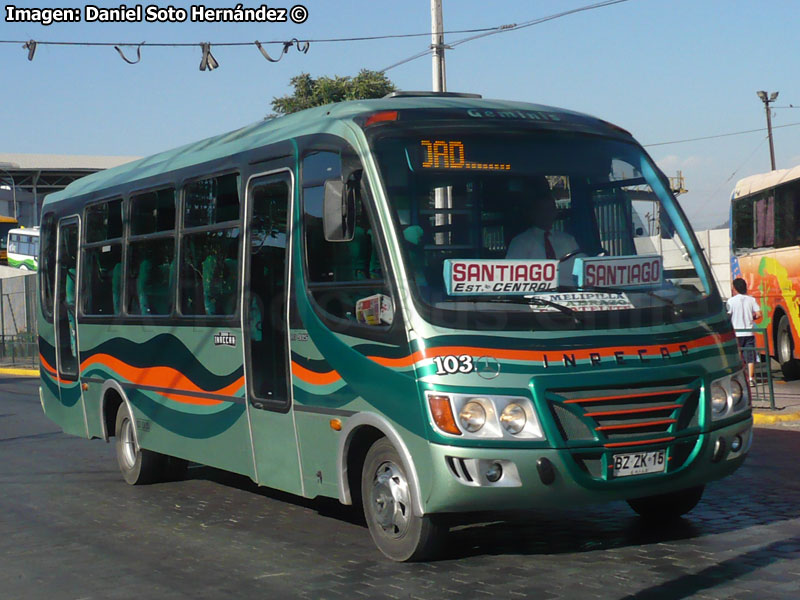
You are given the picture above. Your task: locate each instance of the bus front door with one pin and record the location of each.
(265, 325)
(66, 328)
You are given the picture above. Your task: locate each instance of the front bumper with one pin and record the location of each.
(462, 487)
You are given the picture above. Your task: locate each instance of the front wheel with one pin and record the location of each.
(386, 496)
(667, 506)
(138, 466)
(790, 366)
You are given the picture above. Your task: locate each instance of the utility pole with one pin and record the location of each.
(437, 44)
(772, 97)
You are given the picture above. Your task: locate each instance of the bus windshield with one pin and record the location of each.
(531, 222)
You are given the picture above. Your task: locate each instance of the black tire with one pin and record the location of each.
(784, 350)
(386, 497)
(667, 506)
(138, 466)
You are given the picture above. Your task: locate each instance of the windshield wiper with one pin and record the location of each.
(533, 300)
(527, 300)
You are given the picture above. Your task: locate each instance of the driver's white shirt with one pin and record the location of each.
(530, 245)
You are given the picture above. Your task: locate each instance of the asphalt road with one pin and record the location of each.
(70, 528)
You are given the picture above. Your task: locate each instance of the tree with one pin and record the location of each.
(310, 92)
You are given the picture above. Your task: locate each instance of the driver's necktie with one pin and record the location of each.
(549, 251)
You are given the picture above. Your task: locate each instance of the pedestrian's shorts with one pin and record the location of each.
(747, 346)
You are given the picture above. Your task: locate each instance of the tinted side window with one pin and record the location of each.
(47, 264)
(210, 266)
(152, 212)
(210, 272)
(150, 273)
(104, 221)
(343, 277)
(743, 223)
(211, 201)
(151, 269)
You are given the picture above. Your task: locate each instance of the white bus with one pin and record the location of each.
(23, 248)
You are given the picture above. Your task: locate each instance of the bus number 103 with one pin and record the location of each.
(449, 364)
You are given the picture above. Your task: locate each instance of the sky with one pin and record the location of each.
(666, 70)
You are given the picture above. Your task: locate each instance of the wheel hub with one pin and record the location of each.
(390, 499)
(128, 444)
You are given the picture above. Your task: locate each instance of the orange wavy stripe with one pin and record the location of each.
(313, 377)
(52, 372)
(165, 377)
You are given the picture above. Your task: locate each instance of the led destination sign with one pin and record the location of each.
(452, 154)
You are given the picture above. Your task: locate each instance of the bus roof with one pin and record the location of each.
(316, 120)
(34, 231)
(763, 181)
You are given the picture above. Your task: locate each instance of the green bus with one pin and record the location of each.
(423, 305)
(22, 248)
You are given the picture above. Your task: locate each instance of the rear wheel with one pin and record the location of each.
(790, 366)
(386, 496)
(668, 506)
(138, 466)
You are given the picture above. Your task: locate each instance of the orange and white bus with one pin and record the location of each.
(765, 252)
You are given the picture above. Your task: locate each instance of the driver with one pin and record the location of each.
(540, 241)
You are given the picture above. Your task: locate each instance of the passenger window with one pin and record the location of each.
(101, 273)
(210, 272)
(104, 221)
(743, 222)
(210, 249)
(346, 279)
(151, 259)
(153, 212)
(102, 279)
(211, 201)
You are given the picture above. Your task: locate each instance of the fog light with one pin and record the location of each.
(719, 450)
(494, 473)
(736, 443)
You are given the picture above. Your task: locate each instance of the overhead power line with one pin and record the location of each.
(720, 135)
(303, 44)
(507, 28)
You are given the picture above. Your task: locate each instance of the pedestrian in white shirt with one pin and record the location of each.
(744, 310)
(539, 241)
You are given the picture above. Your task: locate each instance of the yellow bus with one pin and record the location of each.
(6, 225)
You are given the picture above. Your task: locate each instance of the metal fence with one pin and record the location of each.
(761, 383)
(18, 332)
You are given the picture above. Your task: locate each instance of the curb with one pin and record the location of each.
(24, 372)
(762, 419)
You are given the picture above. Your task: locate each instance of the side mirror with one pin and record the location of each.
(338, 211)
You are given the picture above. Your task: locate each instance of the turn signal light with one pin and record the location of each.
(443, 414)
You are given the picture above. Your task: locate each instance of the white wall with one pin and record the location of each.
(716, 247)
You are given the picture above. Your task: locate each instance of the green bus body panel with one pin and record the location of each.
(30, 264)
(200, 410)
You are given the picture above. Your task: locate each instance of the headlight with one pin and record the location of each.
(513, 418)
(488, 417)
(719, 399)
(472, 416)
(736, 391)
(729, 395)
